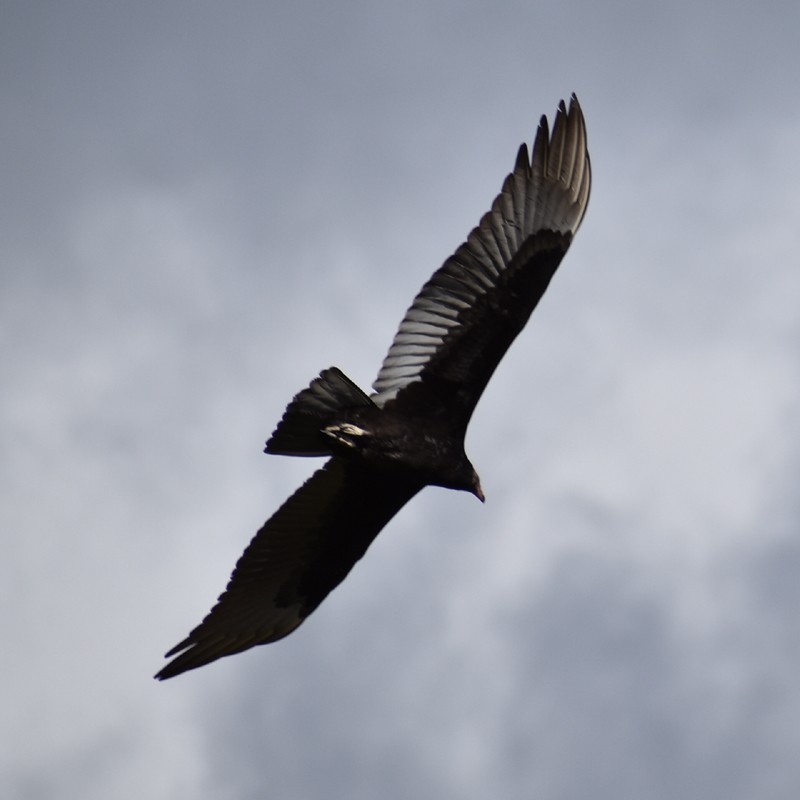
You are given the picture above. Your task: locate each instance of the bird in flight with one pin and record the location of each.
(385, 447)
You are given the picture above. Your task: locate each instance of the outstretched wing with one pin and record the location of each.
(300, 554)
(464, 319)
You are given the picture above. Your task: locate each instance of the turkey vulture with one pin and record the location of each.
(409, 433)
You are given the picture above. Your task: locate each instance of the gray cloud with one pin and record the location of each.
(201, 210)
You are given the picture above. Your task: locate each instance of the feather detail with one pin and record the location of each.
(301, 430)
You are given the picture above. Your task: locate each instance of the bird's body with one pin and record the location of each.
(386, 447)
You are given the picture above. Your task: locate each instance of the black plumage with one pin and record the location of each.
(385, 447)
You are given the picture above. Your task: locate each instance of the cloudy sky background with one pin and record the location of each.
(205, 204)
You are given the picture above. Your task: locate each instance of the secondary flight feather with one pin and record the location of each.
(409, 433)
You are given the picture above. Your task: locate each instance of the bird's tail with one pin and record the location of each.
(300, 431)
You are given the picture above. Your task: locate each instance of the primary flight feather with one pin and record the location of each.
(386, 447)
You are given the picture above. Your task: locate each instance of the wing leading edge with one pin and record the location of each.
(300, 554)
(465, 317)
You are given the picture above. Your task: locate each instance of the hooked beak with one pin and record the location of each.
(477, 491)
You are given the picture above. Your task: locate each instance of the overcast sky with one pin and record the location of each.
(205, 204)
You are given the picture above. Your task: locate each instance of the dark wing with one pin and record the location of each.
(303, 552)
(464, 319)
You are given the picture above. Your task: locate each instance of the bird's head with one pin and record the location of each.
(461, 475)
(469, 481)
(476, 487)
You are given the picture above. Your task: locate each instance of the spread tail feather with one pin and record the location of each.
(299, 433)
